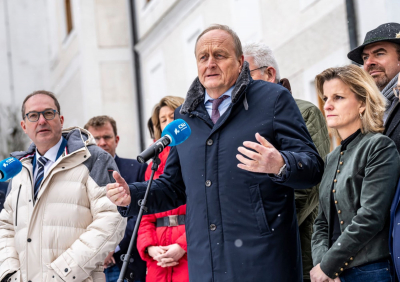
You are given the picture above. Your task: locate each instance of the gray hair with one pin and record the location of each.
(262, 56)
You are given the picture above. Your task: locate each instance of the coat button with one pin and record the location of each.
(335, 180)
(213, 227)
(337, 274)
(338, 171)
(29, 240)
(210, 142)
(351, 258)
(341, 269)
(300, 164)
(339, 211)
(341, 153)
(346, 264)
(336, 202)
(66, 270)
(208, 183)
(342, 222)
(333, 191)
(341, 163)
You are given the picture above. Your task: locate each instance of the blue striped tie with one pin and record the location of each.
(41, 162)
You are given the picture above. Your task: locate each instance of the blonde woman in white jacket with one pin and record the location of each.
(62, 226)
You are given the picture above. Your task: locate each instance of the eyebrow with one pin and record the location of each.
(375, 51)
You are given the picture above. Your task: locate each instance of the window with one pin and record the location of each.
(68, 16)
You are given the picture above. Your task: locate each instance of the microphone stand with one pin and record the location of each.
(142, 204)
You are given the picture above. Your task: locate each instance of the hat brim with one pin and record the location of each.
(355, 54)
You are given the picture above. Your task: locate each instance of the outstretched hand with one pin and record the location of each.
(262, 158)
(118, 192)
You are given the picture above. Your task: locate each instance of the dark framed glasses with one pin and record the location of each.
(47, 114)
(259, 68)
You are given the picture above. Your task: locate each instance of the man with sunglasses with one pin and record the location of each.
(57, 223)
(104, 131)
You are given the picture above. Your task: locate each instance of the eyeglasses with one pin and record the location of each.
(396, 91)
(47, 114)
(259, 68)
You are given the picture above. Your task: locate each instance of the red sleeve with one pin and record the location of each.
(147, 235)
(181, 241)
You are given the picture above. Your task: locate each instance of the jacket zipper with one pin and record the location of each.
(16, 208)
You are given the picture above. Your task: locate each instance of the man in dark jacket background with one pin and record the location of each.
(263, 66)
(241, 220)
(104, 131)
(380, 57)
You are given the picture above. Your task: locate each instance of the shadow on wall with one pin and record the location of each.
(12, 137)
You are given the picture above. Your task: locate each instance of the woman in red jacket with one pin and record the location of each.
(162, 238)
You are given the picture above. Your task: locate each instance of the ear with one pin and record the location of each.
(62, 120)
(116, 139)
(362, 108)
(23, 125)
(271, 73)
(241, 61)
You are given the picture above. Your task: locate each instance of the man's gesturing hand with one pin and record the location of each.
(264, 159)
(118, 192)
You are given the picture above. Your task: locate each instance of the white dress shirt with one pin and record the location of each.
(51, 155)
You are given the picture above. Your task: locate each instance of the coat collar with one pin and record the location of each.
(196, 91)
(76, 137)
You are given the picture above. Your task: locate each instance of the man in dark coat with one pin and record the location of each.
(104, 131)
(380, 57)
(241, 220)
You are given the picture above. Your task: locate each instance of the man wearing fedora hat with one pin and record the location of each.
(380, 56)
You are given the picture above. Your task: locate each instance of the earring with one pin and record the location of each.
(361, 117)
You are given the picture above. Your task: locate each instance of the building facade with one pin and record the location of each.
(83, 51)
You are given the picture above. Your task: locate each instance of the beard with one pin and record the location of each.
(381, 80)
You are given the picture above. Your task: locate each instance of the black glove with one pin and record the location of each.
(7, 276)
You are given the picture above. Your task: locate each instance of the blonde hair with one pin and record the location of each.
(366, 91)
(170, 101)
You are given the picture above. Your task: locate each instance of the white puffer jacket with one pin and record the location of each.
(68, 232)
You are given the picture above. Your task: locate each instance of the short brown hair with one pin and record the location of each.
(43, 92)
(365, 89)
(236, 40)
(100, 121)
(171, 101)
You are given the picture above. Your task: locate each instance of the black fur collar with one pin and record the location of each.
(196, 91)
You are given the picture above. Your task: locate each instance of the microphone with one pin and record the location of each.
(9, 168)
(173, 134)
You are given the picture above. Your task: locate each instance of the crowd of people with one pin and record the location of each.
(254, 194)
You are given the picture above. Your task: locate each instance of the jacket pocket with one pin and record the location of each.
(259, 212)
(99, 276)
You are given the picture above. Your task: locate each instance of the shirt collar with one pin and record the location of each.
(228, 93)
(51, 154)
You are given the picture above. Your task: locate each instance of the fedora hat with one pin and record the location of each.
(386, 32)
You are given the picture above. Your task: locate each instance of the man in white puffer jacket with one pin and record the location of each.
(57, 223)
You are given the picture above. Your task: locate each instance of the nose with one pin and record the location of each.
(101, 142)
(211, 62)
(41, 119)
(369, 62)
(328, 106)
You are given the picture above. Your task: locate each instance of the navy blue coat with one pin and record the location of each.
(394, 233)
(132, 171)
(240, 226)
